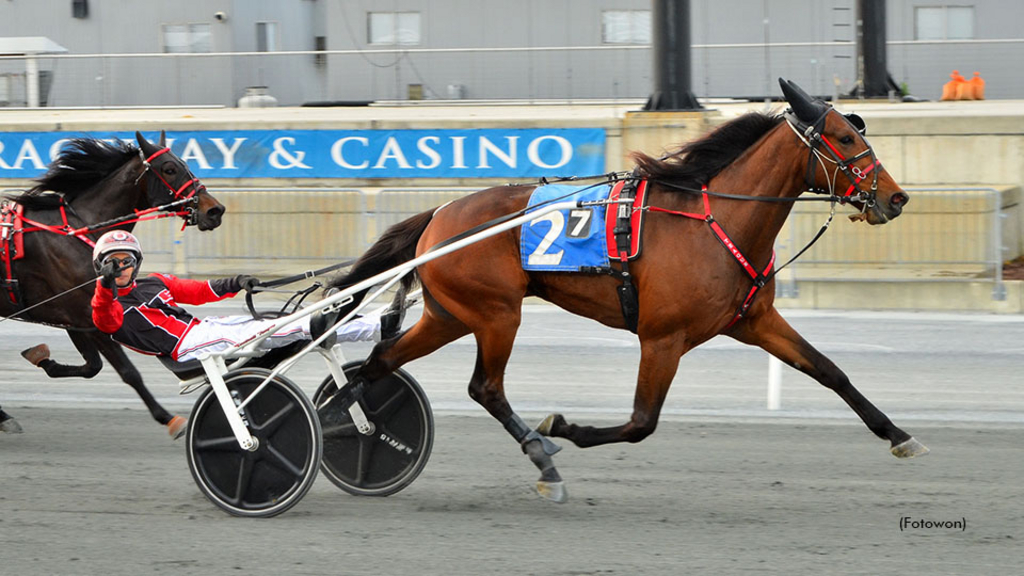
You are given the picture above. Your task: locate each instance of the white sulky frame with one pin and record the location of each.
(215, 366)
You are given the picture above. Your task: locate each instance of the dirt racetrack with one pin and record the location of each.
(98, 491)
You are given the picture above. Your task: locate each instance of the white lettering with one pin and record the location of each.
(509, 158)
(435, 158)
(339, 158)
(532, 152)
(229, 153)
(392, 151)
(3, 165)
(281, 154)
(28, 152)
(458, 151)
(193, 151)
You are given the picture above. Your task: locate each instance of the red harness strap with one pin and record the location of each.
(759, 278)
(11, 247)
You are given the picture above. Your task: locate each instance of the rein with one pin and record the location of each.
(189, 203)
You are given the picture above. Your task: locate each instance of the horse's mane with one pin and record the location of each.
(81, 164)
(697, 162)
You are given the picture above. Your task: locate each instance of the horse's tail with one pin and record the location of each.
(396, 246)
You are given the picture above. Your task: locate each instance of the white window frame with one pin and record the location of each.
(945, 11)
(271, 35)
(191, 36)
(395, 36)
(635, 34)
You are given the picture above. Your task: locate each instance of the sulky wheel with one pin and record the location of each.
(394, 454)
(275, 476)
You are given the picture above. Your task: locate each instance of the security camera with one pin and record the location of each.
(220, 16)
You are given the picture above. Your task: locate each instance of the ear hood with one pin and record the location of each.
(806, 108)
(147, 148)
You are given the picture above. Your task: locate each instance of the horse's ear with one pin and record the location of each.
(806, 108)
(147, 147)
(163, 139)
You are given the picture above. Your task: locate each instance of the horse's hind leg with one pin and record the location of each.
(114, 354)
(659, 360)
(487, 387)
(772, 333)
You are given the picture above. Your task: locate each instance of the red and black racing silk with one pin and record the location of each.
(146, 316)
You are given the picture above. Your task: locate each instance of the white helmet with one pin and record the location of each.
(116, 241)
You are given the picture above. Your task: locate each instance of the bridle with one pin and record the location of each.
(811, 135)
(188, 203)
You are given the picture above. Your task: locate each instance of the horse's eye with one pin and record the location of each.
(170, 170)
(846, 139)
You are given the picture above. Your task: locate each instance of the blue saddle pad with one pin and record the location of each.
(565, 240)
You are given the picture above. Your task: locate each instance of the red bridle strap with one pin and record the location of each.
(759, 278)
(861, 175)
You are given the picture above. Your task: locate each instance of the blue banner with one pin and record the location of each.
(470, 153)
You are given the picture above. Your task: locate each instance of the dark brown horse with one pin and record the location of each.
(690, 287)
(96, 182)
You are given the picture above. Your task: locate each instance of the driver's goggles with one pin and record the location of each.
(122, 263)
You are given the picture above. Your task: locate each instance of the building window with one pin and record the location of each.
(266, 37)
(320, 45)
(187, 38)
(626, 26)
(79, 8)
(943, 22)
(401, 28)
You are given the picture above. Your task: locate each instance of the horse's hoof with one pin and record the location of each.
(909, 449)
(176, 427)
(554, 491)
(547, 424)
(36, 354)
(11, 426)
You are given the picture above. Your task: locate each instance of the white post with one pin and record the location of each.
(31, 81)
(774, 383)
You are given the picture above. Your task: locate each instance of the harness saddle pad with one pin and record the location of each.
(565, 240)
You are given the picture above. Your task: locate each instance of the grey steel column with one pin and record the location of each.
(670, 23)
(876, 73)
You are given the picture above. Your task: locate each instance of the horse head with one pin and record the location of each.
(170, 180)
(837, 144)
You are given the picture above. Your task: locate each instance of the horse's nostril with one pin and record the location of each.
(215, 212)
(899, 199)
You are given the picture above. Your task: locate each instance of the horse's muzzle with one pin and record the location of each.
(211, 217)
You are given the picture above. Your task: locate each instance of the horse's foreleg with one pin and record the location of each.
(659, 360)
(40, 356)
(114, 354)
(772, 333)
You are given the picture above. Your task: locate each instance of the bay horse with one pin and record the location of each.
(98, 186)
(690, 287)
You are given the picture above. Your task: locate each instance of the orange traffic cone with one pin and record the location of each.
(977, 87)
(951, 89)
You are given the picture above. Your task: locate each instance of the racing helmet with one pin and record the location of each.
(116, 241)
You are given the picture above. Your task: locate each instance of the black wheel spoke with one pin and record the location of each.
(244, 476)
(226, 443)
(275, 457)
(344, 430)
(366, 449)
(276, 420)
(391, 405)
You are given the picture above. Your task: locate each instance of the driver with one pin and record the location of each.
(145, 315)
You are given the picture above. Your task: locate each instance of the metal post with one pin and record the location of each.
(671, 48)
(774, 383)
(999, 290)
(872, 56)
(31, 81)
